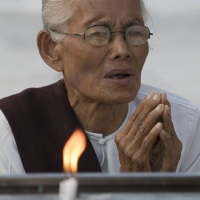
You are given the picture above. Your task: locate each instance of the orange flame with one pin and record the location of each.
(72, 151)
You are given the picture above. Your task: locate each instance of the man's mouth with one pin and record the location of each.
(118, 76)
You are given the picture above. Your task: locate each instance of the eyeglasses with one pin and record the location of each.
(102, 35)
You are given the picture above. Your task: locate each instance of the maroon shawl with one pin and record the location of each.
(42, 120)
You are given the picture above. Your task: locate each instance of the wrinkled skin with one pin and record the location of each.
(91, 73)
(148, 142)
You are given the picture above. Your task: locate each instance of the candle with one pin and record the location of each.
(68, 189)
(72, 151)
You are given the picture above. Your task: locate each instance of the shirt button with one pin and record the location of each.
(102, 141)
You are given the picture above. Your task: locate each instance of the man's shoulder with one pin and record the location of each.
(175, 100)
(32, 94)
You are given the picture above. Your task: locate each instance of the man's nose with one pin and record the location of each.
(119, 46)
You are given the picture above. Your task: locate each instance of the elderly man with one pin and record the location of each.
(100, 47)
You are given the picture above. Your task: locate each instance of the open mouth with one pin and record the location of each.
(118, 76)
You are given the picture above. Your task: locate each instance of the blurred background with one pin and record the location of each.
(173, 63)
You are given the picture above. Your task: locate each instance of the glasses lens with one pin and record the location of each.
(98, 35)
(137, 35)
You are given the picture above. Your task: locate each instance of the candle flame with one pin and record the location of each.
(72, 151)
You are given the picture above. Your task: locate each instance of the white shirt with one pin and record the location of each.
(186, 120)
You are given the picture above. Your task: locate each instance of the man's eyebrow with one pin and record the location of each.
(132, 23)
(109, 24)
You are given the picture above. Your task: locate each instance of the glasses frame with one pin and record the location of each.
(111, 35)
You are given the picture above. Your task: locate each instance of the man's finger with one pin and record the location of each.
(150, 139)
(143, 130)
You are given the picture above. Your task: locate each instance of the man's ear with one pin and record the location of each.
(49, 50)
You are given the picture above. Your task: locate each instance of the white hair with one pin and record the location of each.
(54, 15)
(144, 11)
(56, 12)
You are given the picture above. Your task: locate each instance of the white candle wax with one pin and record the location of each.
(68, 189)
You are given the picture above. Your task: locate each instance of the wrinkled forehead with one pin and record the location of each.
(111, 10)
(107, 3)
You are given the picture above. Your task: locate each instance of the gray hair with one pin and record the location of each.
(145, 13)
(56, 12)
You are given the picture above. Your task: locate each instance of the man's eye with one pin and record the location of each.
(98, 35)
(135, 34)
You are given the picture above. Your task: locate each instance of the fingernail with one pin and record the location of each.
(158, 107)
(168, 109)
(149, 96)
(164, 95)
(159, 125)
(155, 97)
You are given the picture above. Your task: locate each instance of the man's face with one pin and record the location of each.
(110, 73)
